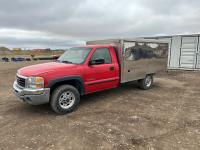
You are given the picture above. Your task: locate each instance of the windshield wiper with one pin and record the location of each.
(64, 61)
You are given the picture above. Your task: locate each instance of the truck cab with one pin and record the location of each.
(79, 71)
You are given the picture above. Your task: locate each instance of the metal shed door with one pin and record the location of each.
(189, 48)
(198, 56)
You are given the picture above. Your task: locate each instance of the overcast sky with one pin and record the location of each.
(64, 23)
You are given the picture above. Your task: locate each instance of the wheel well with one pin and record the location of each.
(76, 83)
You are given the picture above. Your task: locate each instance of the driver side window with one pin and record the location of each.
(102, 53)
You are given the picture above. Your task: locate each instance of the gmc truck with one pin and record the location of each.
(100, 65)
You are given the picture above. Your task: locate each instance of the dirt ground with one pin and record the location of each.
(166, 117)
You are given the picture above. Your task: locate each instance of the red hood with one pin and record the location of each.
(39, 69)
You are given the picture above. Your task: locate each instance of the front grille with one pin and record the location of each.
(20, 81)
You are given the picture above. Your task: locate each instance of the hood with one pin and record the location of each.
(39, 69)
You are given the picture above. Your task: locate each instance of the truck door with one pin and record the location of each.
(103, 75)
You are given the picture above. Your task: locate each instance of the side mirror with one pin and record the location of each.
(97, 62)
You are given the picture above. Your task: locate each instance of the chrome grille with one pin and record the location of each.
(21, 81)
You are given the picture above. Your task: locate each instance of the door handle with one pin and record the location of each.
(112, 68)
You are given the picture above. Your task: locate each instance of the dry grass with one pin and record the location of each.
(10, 54)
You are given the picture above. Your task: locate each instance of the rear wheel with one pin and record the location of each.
(146, 83)
(64, 99)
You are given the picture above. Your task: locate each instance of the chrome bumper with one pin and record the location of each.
(32, 96)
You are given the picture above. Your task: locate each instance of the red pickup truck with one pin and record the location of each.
(88, 69)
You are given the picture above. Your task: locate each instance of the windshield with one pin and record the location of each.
(75, 55)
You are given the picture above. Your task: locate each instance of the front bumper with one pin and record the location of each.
(32, 96)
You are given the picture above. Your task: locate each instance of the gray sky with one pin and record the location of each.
(63, 23)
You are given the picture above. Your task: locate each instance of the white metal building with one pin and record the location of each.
(184, 51)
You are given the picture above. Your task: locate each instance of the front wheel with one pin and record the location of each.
(64, 99)
(146, 83)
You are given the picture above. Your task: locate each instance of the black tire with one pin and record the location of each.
(57, 95)
(144, 84)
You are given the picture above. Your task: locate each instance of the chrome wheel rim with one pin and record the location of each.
(66, 100)
(148, 81)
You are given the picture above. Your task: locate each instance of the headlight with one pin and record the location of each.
(35, 82)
